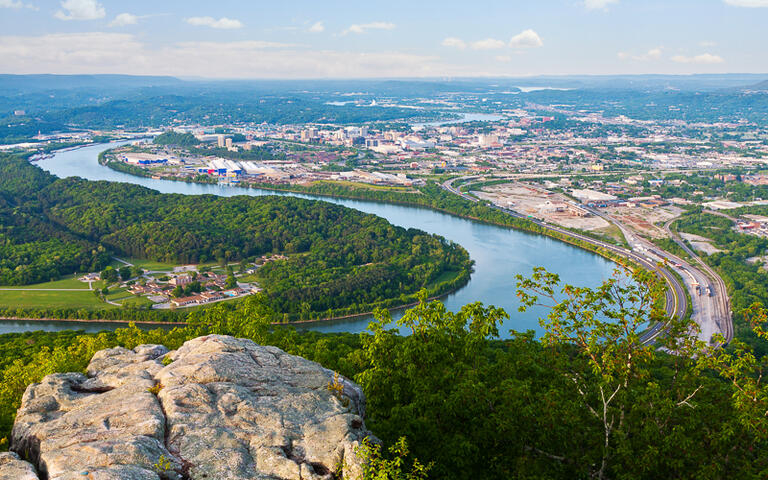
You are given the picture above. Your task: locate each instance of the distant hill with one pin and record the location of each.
(32, 83)
(762, 86)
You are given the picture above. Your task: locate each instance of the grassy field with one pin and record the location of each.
(148, 264)
(248, 278)
(52, 299)
(118, 293)
(69, 282)
(134, 301)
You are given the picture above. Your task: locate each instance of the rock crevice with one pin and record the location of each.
(222, 408)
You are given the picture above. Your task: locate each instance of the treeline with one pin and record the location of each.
(174, 138)
(473, 406)
(255, 153)
(434, 197)
(341, 260)
(746, 281)
(33, 248)
(217, 108)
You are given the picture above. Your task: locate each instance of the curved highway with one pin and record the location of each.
(715, 306)
(676, 300)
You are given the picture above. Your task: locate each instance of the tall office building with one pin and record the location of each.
(220, 139)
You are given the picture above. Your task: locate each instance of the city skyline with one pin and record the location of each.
(353, 40)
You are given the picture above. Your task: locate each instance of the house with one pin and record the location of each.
(185, 301)
(181, 280)
(211, 296)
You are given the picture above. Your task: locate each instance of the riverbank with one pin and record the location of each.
(499, 253)
(397, 198)
(183, 324)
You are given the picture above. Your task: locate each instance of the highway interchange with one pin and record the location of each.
(710, 308)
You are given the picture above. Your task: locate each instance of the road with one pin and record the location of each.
(705, 287)
(714, 308)
(676, 301)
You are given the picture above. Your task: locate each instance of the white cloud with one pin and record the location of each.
(598, 4)
(223, 23)
(454, 42)
(488, 44)
(80, 10)
(317, 27)
(503, 58)
(652, 54)
(15, 4)
(526, 39)
(110, 52)
(124, 19)
(363, 27)
(703, 59)
(748, 3)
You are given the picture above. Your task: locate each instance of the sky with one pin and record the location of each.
(374, 39)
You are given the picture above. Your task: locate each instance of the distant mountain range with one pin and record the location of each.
(14, 84)
(762, 86)
(32, 83)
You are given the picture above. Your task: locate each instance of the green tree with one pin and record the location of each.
(125, 273)
(109, 275)
(746, 372)
(602, 327)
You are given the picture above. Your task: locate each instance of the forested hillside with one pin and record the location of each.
(338, 258)
(32, 248)
(588, 400)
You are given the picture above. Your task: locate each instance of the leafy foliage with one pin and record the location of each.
(340, 261)
(173, 138)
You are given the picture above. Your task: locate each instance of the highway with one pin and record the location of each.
(715, 309)
(710, 306)
(676, 301)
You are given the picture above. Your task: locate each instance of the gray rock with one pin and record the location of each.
(224, 408)
(13, 468)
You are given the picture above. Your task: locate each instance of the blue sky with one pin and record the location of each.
(416, 38)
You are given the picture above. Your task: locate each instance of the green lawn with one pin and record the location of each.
(247, 278)
(150, 264)
(118, 294)
(134, 301)
(158, 266)
(68, 282)
(43, 299)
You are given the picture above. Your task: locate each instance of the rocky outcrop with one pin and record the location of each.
(13, 468)
(217, 408)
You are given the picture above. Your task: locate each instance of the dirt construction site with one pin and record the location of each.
(644, 220)
(542, 204)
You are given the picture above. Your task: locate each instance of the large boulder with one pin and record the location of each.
(218, 407)
(14, 468)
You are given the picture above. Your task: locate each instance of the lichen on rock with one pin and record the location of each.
(223, 408)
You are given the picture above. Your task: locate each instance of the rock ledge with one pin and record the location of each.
(222, 408)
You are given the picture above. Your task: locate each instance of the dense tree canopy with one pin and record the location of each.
(340, 261)
(173, 138)
(468, 405)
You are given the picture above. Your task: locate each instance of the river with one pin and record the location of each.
(499, 253)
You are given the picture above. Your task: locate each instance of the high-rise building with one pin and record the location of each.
(220, 140)
(228, 142)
